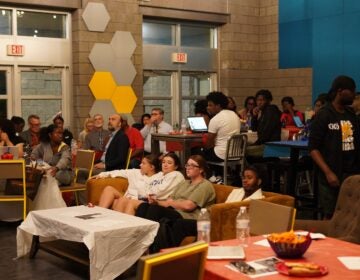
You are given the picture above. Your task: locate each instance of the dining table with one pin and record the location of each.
(186, 141)
(288, 149)
(328, 252)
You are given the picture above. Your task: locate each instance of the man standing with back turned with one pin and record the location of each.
(334, 142)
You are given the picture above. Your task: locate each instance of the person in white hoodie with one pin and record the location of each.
(142, 183)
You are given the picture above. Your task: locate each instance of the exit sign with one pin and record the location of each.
(16, 50)
(179, 57)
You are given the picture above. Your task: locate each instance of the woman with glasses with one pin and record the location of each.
(249, 105)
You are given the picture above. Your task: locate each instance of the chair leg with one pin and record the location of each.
(225, 174)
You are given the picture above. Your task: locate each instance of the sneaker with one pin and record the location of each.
(219, 180)
(212, 179)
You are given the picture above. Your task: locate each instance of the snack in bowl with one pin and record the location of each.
(301, 269)
(289, 244)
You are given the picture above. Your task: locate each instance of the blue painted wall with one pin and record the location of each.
(322, 34)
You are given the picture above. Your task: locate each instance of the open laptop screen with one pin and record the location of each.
(298, 121)
(197, 124)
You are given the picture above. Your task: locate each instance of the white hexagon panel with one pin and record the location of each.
(123, 71)
(102, 57)
(103, 107)
(123, 44)
(130, 119)
(96, 17)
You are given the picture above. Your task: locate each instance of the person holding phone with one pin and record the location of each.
(289, 114)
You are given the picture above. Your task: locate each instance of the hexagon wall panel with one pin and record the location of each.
(123, 71)
(103, 107)
(96, 17)
(102, 85)
(130, 118)
(102, 57)
(124, 99)
(123, 44)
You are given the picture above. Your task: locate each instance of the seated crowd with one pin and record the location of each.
(159, 191)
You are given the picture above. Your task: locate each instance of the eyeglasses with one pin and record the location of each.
(191, 166)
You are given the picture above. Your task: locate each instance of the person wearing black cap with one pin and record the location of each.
(334, 142)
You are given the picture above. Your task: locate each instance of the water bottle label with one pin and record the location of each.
(203, 226)
(242, 223)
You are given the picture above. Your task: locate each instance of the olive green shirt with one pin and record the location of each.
(202, 194)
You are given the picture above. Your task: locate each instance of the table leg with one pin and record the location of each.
(291, 183)
(34, 246)
(155, 146)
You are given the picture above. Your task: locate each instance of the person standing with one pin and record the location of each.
(155, 125)
(116, 149)
(32, 134)
(334, 142)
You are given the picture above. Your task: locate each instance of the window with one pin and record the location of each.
(157, 93)
(5, 22)
(158, 33)
(197, 36)
(41, 93)
(38, 24)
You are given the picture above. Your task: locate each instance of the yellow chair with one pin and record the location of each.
(186, 262)
(128, 158)
(14, 169)
(84, 161)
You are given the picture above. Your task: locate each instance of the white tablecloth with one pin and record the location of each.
(115, 240)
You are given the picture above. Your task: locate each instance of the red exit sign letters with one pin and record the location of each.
(15, 50)
(179, 57)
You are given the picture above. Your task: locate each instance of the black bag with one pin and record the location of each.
(33, 178)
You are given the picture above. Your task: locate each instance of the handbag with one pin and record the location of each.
(33, 178)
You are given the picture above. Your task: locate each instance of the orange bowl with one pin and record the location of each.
(290, 250)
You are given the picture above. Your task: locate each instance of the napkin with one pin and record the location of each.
(352, 263)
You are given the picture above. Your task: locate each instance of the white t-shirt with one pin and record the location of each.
(164, 185)
(238, 195)
(224, 124)
(139, 184)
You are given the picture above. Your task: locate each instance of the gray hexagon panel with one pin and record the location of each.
(96, 17)
(103, 107)
(130, 118)
(102, 57)
(123, 44)
(123, 71)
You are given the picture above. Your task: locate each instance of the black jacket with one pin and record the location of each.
(116, 153)
(268, 126)
(326, 136)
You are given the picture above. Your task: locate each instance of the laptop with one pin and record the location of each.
(197, 124)
(11, 150)
(298, 122)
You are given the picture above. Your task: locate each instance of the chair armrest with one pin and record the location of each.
(95, 187)
(312, 226)
(223, 216)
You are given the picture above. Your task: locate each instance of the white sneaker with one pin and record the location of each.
(219, 180)
(212, 179)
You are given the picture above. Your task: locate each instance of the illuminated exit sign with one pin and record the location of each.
(179, 57)
(16, 50)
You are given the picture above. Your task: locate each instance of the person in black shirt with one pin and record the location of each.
(334, 142)
(67, 135)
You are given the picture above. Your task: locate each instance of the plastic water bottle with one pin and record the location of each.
(203, 226)
(248, 121)
(74, 147)
(183, 126)
(243, 227)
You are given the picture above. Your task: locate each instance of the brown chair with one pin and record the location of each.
(267, 217)
(84, 161)
(186, 262)
(14, 169)
(345, 223)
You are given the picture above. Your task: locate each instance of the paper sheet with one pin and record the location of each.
(352, 263)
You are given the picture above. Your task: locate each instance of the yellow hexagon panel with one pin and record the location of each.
(124, 99)
(102, 85)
